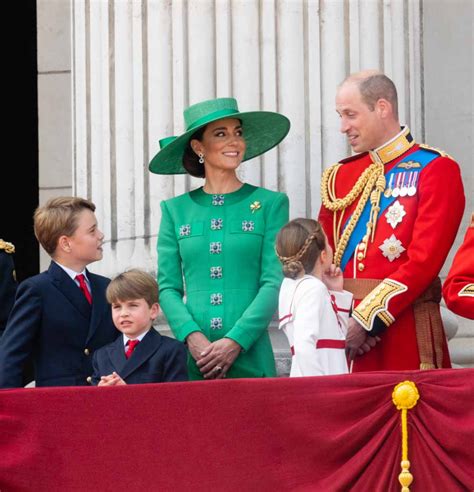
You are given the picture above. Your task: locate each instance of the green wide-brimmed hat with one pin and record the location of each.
(262, 130)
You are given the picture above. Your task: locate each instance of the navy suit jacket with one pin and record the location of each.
(156, 359)
(52, 320)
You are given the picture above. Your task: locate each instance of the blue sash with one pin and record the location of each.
(423, 157)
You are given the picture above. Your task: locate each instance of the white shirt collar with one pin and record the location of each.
(72, 273)
(139, 338)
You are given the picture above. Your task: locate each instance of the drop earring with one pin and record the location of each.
(201, 158)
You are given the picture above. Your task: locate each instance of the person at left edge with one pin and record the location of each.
(221, 237)
(8, 282)
(53, 318)
(458, 288)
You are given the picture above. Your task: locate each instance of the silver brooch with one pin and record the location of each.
(215, 248)
(185, 230)
(248, 225)
(216, 224)
(216, 323)
(216, 272)
(218, 200)
(216, 299)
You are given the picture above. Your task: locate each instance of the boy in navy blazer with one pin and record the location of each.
(140, 354)
(60, 316)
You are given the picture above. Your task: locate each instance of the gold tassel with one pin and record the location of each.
(405, 396)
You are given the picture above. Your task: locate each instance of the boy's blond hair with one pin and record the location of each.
(133, 284)
(58, 217)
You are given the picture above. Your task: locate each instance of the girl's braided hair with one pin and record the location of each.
(298, 245)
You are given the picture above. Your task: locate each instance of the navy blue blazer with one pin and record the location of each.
(156, 359)
(52, 320)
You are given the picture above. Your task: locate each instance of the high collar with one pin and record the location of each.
(209, 199)
(394, 148)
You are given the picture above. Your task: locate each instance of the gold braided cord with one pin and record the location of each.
(332, 195)
(375, 200)
(370, 184)
(333, 203)
(354, 219)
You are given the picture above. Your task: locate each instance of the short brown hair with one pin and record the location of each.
(298, 245)
(58, 217)
(374, 85)
(133, 284)
(377, 87)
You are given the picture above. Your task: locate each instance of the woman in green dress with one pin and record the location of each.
(216, 243)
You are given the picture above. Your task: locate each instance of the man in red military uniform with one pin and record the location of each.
(458, 289)
(391, 213)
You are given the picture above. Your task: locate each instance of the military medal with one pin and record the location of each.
(396, 190)
(395, 214)
(404, 187)
(388, 191)
(412, 187)
(392, 248)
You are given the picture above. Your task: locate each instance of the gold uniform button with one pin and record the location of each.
(361, 267)
(87, 351)
(89, 379)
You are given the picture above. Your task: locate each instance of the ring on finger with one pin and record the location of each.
(218, 368)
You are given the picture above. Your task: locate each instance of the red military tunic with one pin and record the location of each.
(411, 241)
(458, 289)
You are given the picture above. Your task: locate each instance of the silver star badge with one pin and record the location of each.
(392, 248)
(395, 214)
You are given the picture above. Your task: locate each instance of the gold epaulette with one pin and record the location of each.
(351, 158)
(442, 153)
(7, 247)
(472, 220)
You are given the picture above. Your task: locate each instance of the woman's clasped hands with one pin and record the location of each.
(213, 359)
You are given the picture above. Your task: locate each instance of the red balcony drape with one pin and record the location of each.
(333, 433)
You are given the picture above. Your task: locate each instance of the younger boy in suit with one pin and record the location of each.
(60, 316)
(140, 354)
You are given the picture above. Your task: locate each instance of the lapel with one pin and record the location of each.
(99, 304)
(144, 350)
(116, 352)
(64, 283)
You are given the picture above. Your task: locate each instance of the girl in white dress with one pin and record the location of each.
(313, 307)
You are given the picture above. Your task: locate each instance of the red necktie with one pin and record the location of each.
(131, 344)
(83, 286)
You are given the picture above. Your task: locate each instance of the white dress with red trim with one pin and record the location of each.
(314, 320)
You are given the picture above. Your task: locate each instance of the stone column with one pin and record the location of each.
(138, 64)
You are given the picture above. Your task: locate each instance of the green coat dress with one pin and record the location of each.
(223, 246)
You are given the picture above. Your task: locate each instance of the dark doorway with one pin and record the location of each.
(19, 181)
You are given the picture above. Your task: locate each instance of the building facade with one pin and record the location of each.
(115, 76)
